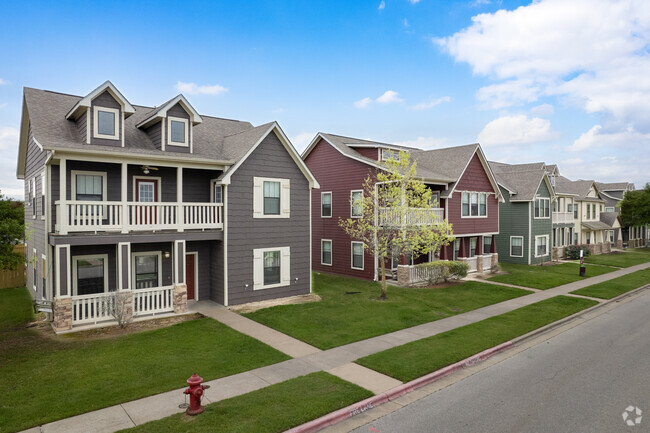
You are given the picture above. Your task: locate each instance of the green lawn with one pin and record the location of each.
(622, 260)
(612, 288)
(268, 410)
(421, 357)
(342, 318)
(46, 378)
(545, 277)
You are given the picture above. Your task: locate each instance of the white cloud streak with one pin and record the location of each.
(194, 89)
(431, 104)
(518, 129)
(425, 143)
(388, 97)
(382, 5)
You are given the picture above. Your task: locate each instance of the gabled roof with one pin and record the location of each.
(159, 113)
(521, 180)
(579, 188)
(596, 225)
(86, 101)
(614, 186)
(609, 218)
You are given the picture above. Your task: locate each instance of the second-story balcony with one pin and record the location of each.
(412, 216)
(563, 218)
(125, 217)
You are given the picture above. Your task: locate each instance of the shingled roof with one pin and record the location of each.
(522, 180)
(579, 188)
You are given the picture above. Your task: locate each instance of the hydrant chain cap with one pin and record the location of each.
(195, 380)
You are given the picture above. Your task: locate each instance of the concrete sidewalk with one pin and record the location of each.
(338, 361)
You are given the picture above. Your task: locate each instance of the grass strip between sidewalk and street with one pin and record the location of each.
(547, 276)
(275, 408)
(62, 376)
(421, 357)
(350, 311)
(613, 288)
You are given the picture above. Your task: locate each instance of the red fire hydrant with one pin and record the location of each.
(195, 392)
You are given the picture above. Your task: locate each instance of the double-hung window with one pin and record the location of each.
(356, 204)
(575, 211)
(146, 270)
(473, 204)
(541, 245)
(271, 267)
(516, 246)
(217, 194)
(32, 196)
(271, 198)
(326, 252)
(542, 208)
(178, 130)
(472, 247)
(90, 274)
(89, 187)
(43, 190)
(357, 255)
(326, 205)
(106, 123)
(487, 244)
(456, 248)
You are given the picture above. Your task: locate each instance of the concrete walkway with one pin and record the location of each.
(338, 361)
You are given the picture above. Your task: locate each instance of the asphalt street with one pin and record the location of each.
(579, 381)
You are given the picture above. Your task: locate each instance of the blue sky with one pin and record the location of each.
(554, 81)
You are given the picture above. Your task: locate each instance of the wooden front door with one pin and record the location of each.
(190, 268)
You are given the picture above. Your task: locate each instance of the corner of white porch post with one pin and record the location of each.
(123, 198)
(63, 195)
(180, 218)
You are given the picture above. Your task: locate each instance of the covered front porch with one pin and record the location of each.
(96, 283)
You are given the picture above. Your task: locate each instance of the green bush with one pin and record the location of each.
(572, 252)
(443, 270)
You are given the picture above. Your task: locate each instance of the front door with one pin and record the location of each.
(189, 274)
(146, 191)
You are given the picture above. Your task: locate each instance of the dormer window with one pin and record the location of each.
(106, 123)
(387, 154)
(178, 131)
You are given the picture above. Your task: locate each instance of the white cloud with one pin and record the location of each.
(363, 103)
(3, 82)
(542, 110)
(388, 97)
(414, 1)
(406, 22)
(597, 137)
(3, 105)
(382, 5)
(194, 89)
(302, 140)
(514, 130)
(592, 53)
(477, 3)
(425, 143)
(431, 104)
(9, 185)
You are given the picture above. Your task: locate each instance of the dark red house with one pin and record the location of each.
(460, 178)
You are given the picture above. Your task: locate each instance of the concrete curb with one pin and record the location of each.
(369, 403)
(372, 402)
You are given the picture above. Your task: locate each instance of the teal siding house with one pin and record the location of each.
(525, 216)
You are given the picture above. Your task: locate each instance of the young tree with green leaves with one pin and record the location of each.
(635, 207)
(12, 231)
(395, 215)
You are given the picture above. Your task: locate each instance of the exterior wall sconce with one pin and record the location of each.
(167, 254)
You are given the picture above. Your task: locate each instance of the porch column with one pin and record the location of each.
(179, 201)
(479, 245)
(493, 245)
(462, 251)
(124, 198)
(63, 205)
(443, 252)
(180, 288)
(124, 266)
(62, 306)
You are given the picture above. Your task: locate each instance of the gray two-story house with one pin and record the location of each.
(161, 203)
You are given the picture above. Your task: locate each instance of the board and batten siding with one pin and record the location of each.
(337, 174)
(245, 233)
(513, 221)
(35, 226)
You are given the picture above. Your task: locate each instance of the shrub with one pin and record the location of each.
(443, 270)
(572, 252)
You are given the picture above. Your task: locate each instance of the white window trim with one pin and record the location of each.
(547, 245)
(213, 184)
(32, 197)
(185, 143)
(116, 112)
(487, 195)
(541, 208)
(322, 194)
(258, 268)
(522, 245)
(73, 180)
(363, 258)
(392, 154)
(90, 256)
(35, 270)
(158, 192)
(351, 203)
(43, 191)
(322, 241)
(148, 253)
(258, 197)
(609, 207)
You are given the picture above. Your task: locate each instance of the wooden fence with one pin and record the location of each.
(15, 278)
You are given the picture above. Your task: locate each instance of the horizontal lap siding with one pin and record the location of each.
(112, 171)
(474, 178)
(87, 250)
(246, 233)
(105, 100)
(204, 280)
(340, 175)
(541, 227)
(369, 152)
(513, 221)
(167, 275)
(176, 111)
(196, 185)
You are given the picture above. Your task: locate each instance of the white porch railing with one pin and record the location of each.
(487, 262)
(393, 217)
(421, 274)
(471, 261)
(92, 308)
(563, 218)
(153, 301)
(95, 216)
